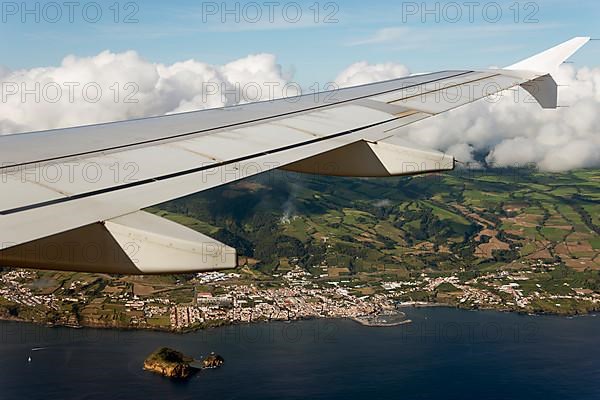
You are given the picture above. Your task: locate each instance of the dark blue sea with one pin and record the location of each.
(443, 354)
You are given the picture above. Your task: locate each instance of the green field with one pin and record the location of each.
(453, 221)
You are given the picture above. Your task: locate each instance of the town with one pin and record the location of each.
(225, 298)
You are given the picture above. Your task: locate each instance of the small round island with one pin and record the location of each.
(176, 365)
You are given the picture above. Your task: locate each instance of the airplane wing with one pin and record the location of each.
(72, 198)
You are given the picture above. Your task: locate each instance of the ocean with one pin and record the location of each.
(444, 354)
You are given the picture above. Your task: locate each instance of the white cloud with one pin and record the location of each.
(117, 86)
(385, 35)
(362, 72)
(512, 131)
(507, 132)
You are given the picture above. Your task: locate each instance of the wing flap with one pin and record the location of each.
(135, 244)
(374, 159)
(157, 246)
(90, 248)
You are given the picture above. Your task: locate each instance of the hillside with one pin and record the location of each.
(472, 220)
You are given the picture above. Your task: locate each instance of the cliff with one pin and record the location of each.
(169, 363)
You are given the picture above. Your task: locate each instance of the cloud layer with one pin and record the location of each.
(508, 132)
(511, 130)
(117, 86)
(361, 73)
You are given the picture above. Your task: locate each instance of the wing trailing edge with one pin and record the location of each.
(374, 159)
(135, 244)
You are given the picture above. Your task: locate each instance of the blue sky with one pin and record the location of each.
(315, 48)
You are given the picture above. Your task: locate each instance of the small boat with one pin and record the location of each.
(29, 359)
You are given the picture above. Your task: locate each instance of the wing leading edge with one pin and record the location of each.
(72, 197)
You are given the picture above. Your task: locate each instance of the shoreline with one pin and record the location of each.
(567, 314)
(364, 321)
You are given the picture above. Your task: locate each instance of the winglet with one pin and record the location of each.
(548, 61)
(542, 66)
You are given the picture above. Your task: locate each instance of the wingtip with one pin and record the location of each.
(548, 61)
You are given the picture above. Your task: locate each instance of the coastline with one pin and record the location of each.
(422, 304)
(367, 321)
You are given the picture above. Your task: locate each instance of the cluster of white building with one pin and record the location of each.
(300, 298)
(13, 290)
